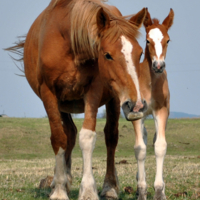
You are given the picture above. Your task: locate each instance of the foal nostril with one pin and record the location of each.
(158, 66)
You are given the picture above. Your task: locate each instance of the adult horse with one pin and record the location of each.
(154, 87)
(79, 55)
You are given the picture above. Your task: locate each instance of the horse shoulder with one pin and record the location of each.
(31, 47)
(145, 82)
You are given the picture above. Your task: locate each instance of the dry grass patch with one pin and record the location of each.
(19, 179)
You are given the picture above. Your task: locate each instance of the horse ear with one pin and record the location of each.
(103, 20)
(147, 22)
(138, 18)
(169, 19)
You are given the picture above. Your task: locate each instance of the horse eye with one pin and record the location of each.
(108, 56)
(148, 42)
(168, 41)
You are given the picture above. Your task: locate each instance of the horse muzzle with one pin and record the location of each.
(158, 66)
(132, 111)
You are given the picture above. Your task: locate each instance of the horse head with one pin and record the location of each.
(157, 40)
(118, 60)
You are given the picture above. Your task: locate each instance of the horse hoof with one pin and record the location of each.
(88, 195)
(59, 193)
(109, 194)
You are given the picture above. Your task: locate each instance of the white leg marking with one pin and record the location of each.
(88, 191)
(157, 36)
(160, 152)
(60, 178)
(127, 48)
(140, 154)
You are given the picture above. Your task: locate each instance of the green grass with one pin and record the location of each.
(26, 157)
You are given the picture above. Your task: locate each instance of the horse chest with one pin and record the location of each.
(72, 85)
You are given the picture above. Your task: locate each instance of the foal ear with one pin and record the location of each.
(147, 21)
(169, 19)
(103, 20)
(138, 18)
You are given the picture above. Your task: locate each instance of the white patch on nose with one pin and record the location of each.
(127, 48)
(157, 36)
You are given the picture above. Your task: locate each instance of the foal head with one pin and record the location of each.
(157, 40)
(119, 57)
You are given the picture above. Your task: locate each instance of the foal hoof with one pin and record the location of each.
(159, 196)
(160, 193)
(134, 116)
(141, 193)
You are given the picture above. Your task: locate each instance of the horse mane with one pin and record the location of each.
(85, 36)
(85, 39)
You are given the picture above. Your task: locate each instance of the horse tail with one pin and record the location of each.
(18, 49)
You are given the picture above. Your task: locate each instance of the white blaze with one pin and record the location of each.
(157, 36)
(127, 48)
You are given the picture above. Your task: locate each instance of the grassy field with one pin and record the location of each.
(26, 157)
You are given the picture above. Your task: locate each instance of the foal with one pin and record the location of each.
(154, 87)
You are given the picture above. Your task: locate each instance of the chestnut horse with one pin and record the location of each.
(79, 55)
(154, 87)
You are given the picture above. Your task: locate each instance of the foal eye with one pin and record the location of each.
(168, 41)
(108, 56)
(148, 42)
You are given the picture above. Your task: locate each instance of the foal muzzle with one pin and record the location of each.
(158, 66)
(128, 109)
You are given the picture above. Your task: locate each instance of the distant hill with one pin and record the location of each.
(175, 115)
(182, 115)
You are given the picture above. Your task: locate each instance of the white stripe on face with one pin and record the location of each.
(127, 48)
(157, 36)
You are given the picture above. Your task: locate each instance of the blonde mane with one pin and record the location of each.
(85, 36)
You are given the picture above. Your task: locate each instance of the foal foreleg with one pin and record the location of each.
(140, 154)
(59, 144)
(145, 134)
(111, 185)
(160, 147)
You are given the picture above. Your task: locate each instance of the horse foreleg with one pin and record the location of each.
(87, 139)
(71, 132)
(59, 144)
(140, 154)
(160, 147)
(111, 185)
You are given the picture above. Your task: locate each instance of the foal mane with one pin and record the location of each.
(155, 21)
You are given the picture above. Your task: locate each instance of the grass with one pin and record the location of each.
(26, 157)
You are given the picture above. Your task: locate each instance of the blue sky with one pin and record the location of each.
(182, 62)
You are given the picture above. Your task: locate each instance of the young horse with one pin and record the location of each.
(79, 55)
(154, 87)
